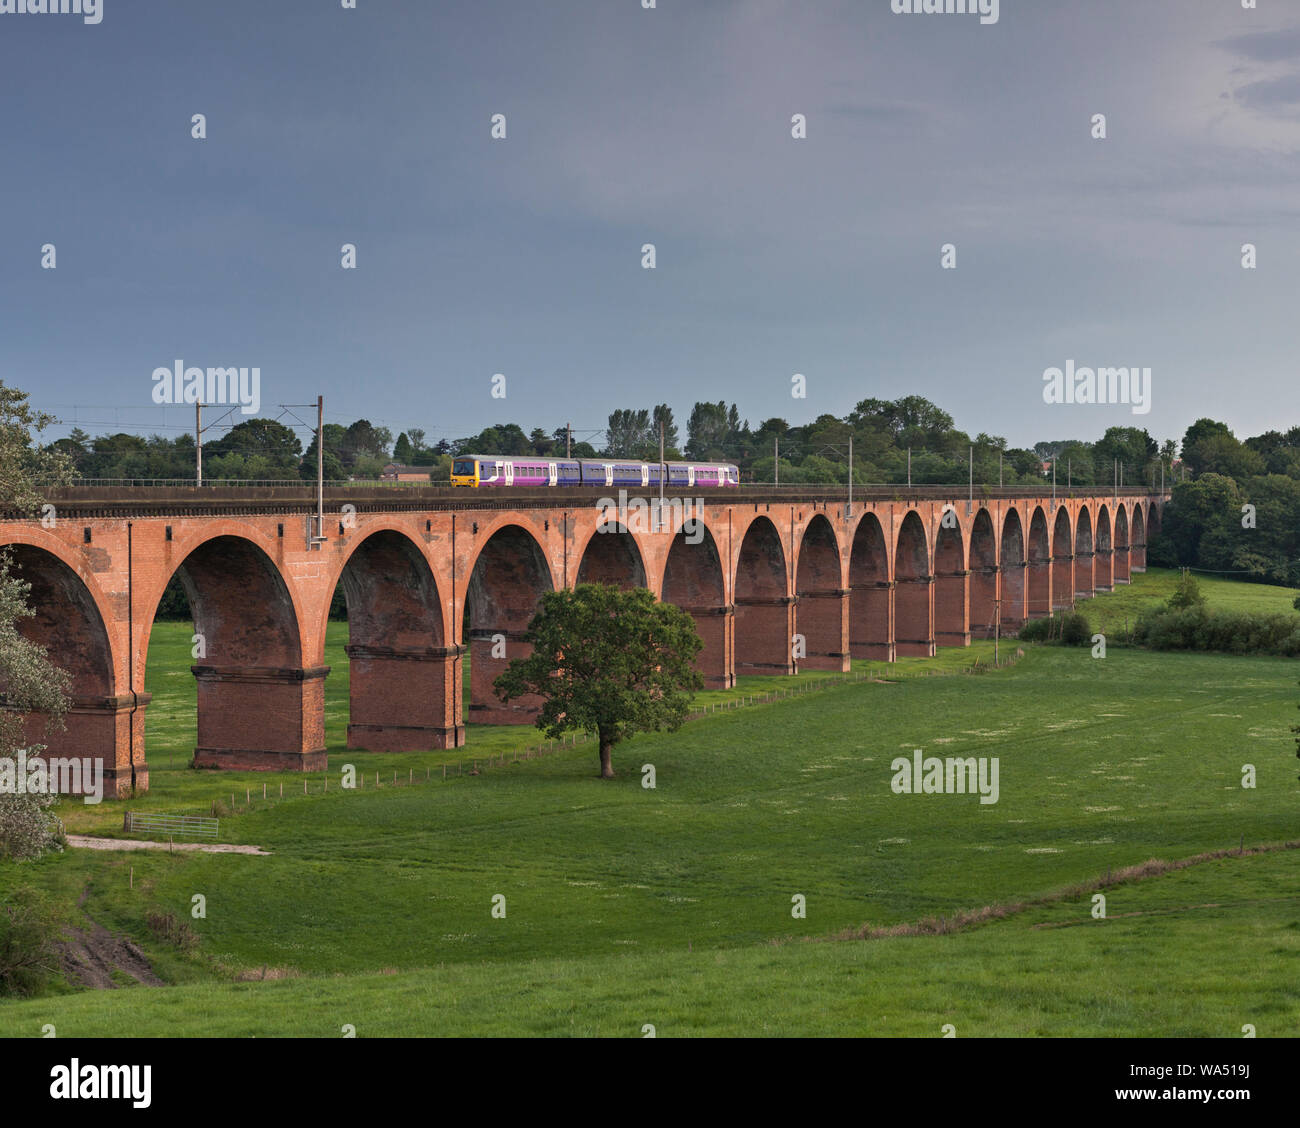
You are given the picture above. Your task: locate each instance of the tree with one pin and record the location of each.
(628, 433)
(714, 430)
(608, 661)
(403, 451)
(363, 440)
(663, 414)
(28, 682)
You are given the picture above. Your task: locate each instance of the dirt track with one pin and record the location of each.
(83, 842)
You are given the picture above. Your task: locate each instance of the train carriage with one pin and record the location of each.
(477, 470)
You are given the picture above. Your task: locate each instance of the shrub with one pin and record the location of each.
(1075, 630)
(29, 827)
(1231, 632)
(1035, 630)
(29, 942)
(166, 926)
(1069, 628)
(1187, 593)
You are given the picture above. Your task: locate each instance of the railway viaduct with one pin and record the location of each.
(775, 579)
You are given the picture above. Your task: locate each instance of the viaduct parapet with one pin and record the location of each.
(776, 580)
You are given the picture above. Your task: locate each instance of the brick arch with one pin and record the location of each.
(507, 578)
(153, 582)
(871, 604)
(951, 586)
(820, 614)
(1137, 552)
(1038, 580)
(611, 555)
(1062, 560)
(694, 581)
(1121, 545)
(68, 623)
(404, 680)
(1013, 567)
(1084, 554)
(983, 567)
(913, 591)
(764, 606)
(1103, 570)
(259, 706)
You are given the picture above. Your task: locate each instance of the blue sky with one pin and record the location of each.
(669, 126)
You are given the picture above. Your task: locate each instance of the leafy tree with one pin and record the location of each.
(663, 414)
(403, 452)
(628, 434)
(363, 440)
(707, 431)
(29, 683)
(542, 443)
(608, 661)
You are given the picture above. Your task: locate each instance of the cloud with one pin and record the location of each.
(1265, 46)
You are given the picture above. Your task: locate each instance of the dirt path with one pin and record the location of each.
(85, 843)
(90, 956)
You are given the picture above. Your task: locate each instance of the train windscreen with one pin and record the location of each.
(463, 466)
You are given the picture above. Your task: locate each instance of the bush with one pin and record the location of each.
(29, 827)
(1036, 630)
(1187, 593)
(1075, 630)
(29, 942)
(1230, 632)
(167, 927)
(1069, 628)
(1296, 603)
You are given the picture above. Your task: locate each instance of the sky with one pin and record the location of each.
(671, 126)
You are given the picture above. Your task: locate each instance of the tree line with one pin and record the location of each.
(893, 441)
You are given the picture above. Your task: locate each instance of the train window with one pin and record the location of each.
(463, 466)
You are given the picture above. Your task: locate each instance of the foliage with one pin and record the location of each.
(28, 681)
(1231, 632)
(1187, 593)
(30, 927)
(607, 660)
(1069, 628)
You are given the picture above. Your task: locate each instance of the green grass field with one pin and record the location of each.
(672, 906)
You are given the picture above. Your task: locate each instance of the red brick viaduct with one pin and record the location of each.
(776, 580)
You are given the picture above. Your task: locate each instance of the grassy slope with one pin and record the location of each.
(1053, 972)
(607, 884)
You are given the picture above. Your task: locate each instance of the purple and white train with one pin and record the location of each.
(529, 470)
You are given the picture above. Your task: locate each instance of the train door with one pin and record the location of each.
(645, 474)
(690, 475)
(510, 473)
(609, 473)
(553, 473)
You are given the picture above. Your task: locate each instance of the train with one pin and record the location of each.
(529, 470)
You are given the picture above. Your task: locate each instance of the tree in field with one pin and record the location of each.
(28, 682)
(608, 661)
